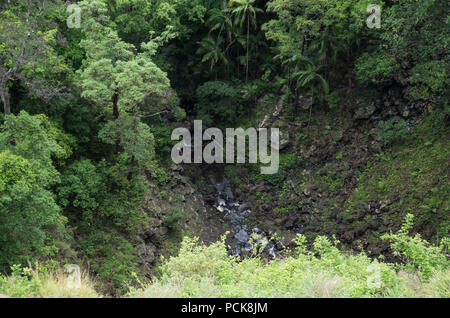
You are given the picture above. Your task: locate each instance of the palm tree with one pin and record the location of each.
(220, 20)
(244, 9)
(327, 48)
(309, 76)
(211, 50)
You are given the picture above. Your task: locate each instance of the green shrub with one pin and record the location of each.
(19, 283)
(163, 141)
(179, 113)
(418, 253)
(159, 174)
(392, 130)
(207, 271)
(29, 215)
(173, 215)
(219, 103)
(432, 74)
(83, 187)
(375, 68)
(66, 141)
(287, 161)
(101, 195)
(333, 99)
(112, 258)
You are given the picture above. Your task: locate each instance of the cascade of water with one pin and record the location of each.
(244, 240)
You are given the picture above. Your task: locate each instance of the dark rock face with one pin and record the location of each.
(179, 192)
(365, 112)
(146, 252)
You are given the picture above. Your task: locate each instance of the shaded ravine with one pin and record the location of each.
(244, 240)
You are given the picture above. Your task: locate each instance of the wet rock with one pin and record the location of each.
(235, 213)
(221, 209)
(255, 230)
(270, 249)
(235, 228)
(242, 236)
(242, 207)
(229, 194)
(221, 202)
(284, 133)
(248, 247)
(284, 141)
(236, 218)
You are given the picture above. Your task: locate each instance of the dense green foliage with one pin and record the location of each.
(87, 116)
(207, 271)
(226, 99)
(27, 173)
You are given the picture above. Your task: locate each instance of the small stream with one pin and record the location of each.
(244, 240)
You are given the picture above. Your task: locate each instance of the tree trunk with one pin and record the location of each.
(115, 100)
(6, 102)
(248, 35)
(116, 114)
(303, 44)
(133, 158)
(296, 100)
(310, 110)
(132, 164)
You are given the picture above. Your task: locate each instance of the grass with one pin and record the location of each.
(39, 282)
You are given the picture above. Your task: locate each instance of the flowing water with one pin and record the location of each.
(244, 240)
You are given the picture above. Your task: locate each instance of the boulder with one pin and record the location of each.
(365, 112)
(175, 167)
(242, 236)
(284, 134)
(146, 252)
(305, 102)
